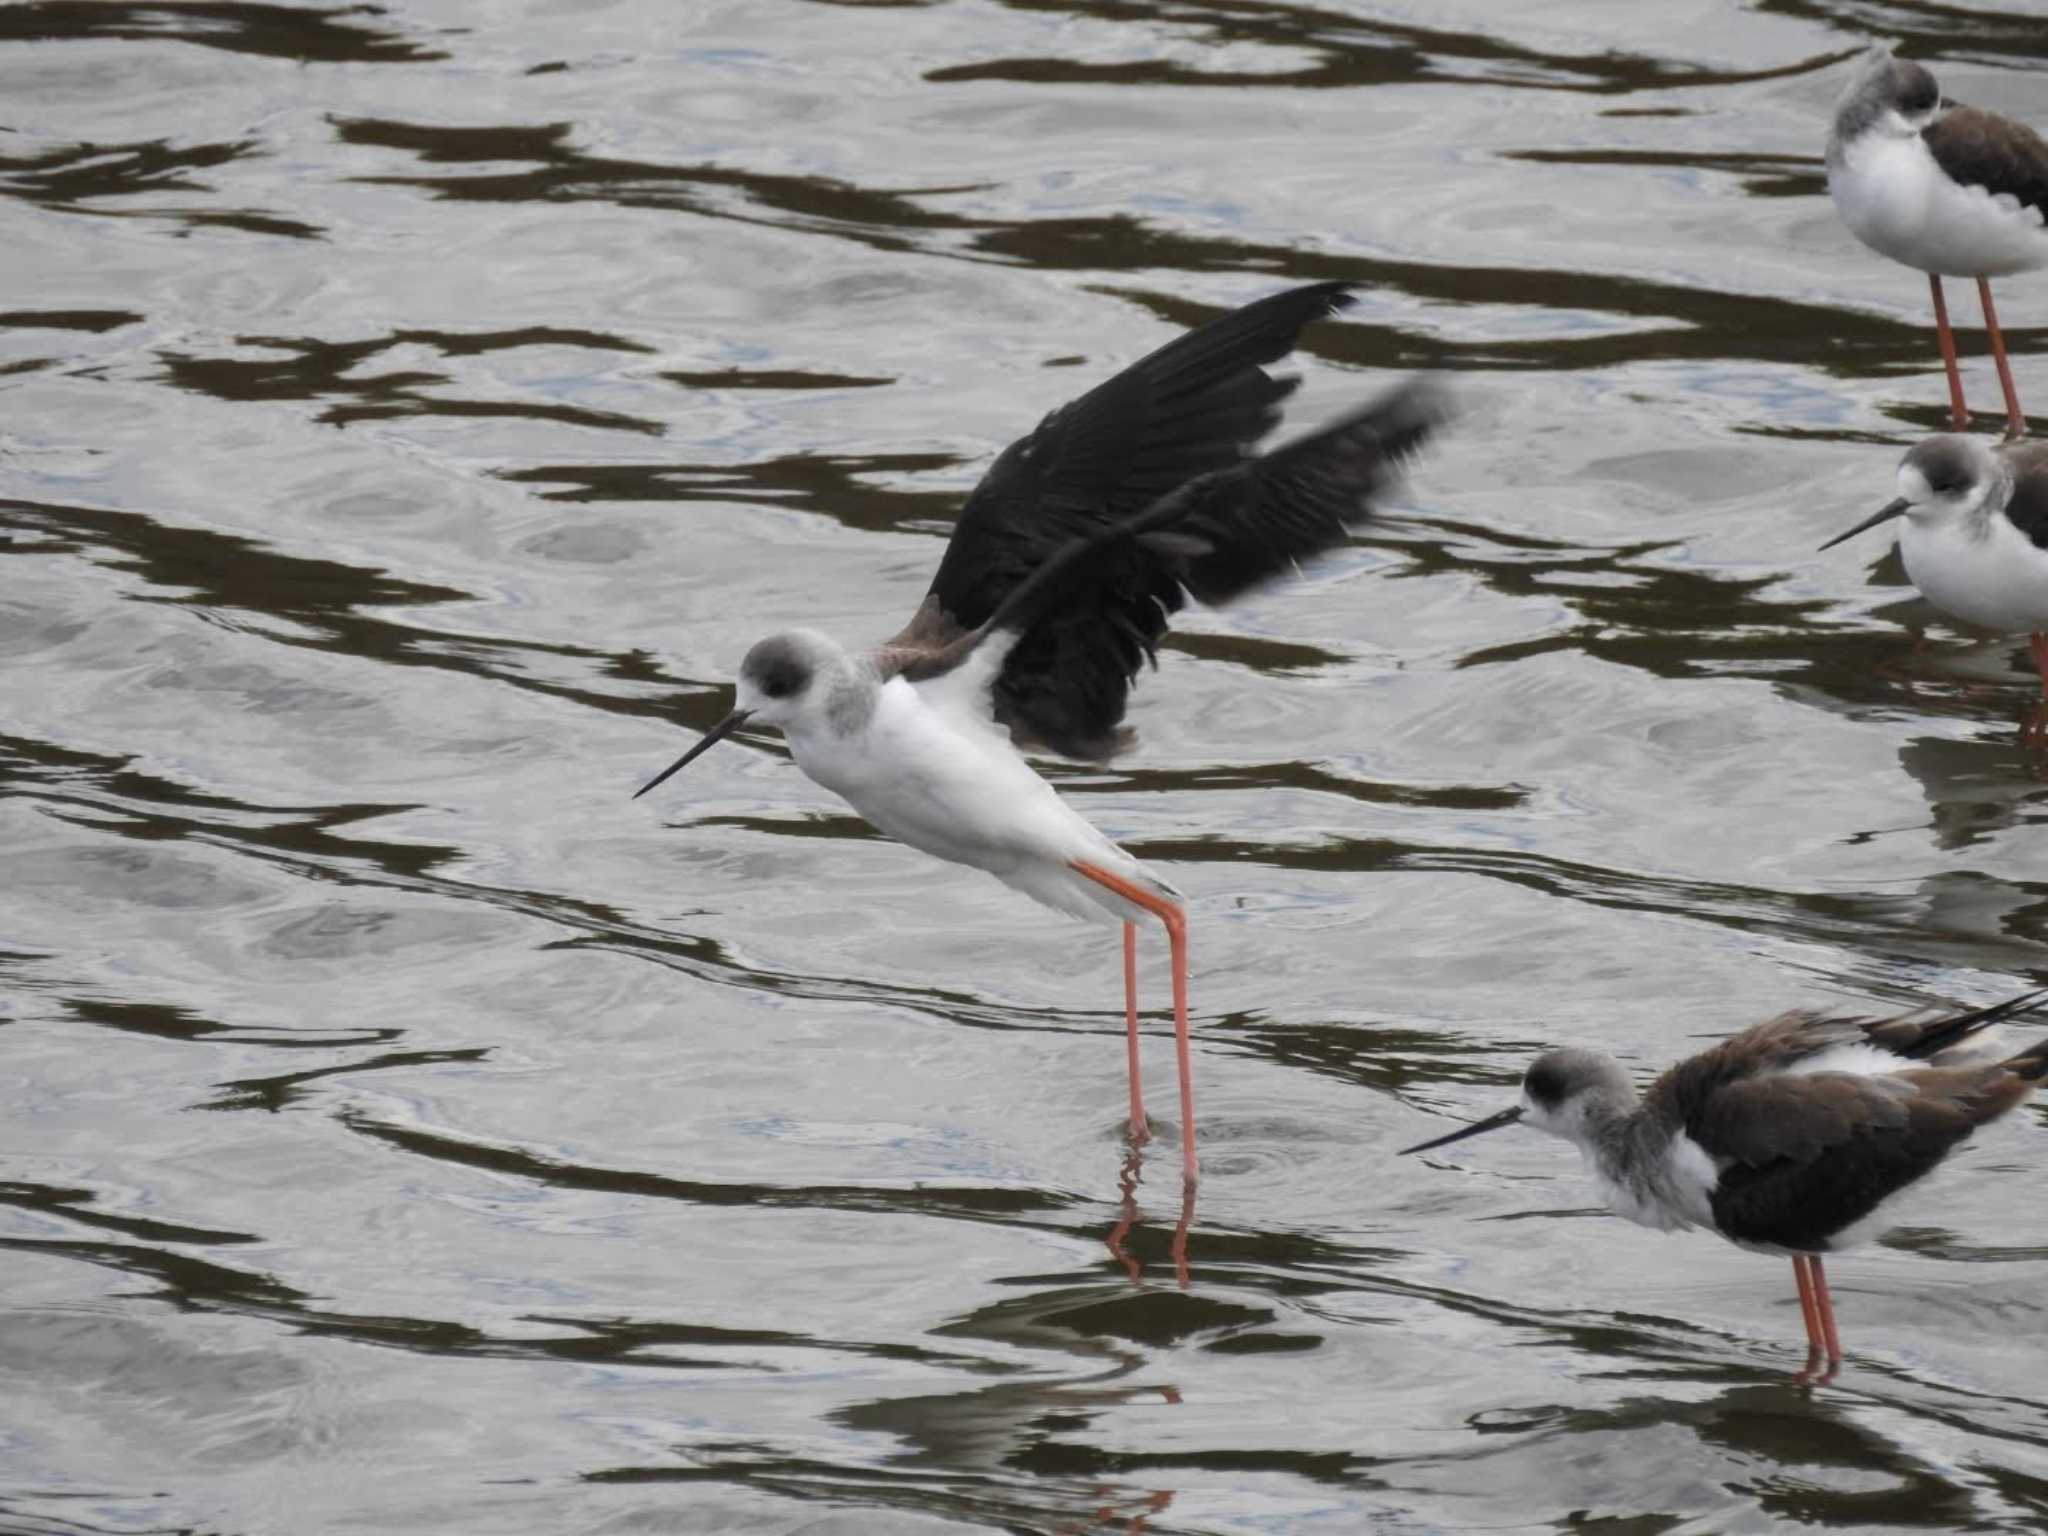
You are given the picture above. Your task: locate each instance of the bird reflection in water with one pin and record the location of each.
(1127, 1217)
(1135, 1511)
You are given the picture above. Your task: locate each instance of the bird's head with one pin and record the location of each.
(1941, 478)
(786, 681)
(1894, 95)
(784, 678)
(1567, 1093)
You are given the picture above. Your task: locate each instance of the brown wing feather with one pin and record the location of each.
(1779, 1044)
(1982, 149)
(1775, 1045)
(1806, 1156)
(1803, 1155)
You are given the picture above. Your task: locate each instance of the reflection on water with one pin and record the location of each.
(412, 412)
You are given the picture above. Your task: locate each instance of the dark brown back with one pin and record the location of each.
(1802, 1155)
(1982, 149)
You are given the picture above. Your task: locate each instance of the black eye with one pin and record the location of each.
(1945, 474)
(778, 667)
(781, 680)
(1544, 1083)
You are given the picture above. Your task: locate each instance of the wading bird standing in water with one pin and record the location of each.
(1068, 560)
(1975, 539)
(1956, 192)
(1788, 1138)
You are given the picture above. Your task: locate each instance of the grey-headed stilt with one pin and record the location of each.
(1788, 1138)
(1975, 538)
(1066, 564)
(1948, 189)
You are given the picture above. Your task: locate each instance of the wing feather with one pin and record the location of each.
(1982, 149)
(1803, 1154)
(1218, 536)
(1192, 408)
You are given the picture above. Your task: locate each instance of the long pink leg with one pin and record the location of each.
(1139, 1130)
(1170, 913)
(1180, 1232)
(1824, 1305)
(2015, 423)
(1810, 1315)
(1959, 413)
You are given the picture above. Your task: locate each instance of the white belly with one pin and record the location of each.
(960, 792)
(1896, 200)
(1986, 574)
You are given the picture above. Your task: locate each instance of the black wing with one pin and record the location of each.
(1217, 536)
(1982, 149)
(1193, 407)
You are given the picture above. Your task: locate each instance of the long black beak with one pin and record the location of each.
(705, 743)
(1883, 515)
(1490, 1123)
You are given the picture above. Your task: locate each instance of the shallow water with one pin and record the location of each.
(413, 412)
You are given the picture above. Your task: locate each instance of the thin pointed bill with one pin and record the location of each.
(705, 743)
(1883, 515)
(1490, 1123)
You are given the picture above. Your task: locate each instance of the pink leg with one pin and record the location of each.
(1140, 1134)
(2015, 423)
(1810, 1315)
(1170, 913)
(1824, 1305)
(1807, 1313)
(1183, 1050)
(2035, 728)
(1959, 413)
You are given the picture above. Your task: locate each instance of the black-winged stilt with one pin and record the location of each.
(1067, 561)
(1787, 1138)
(1975, 539)
(1956, 193)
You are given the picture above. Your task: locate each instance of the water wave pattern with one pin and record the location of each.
(413, 412)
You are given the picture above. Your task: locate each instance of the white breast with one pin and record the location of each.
(1985, 573)
(1896, 199)
(954, 787)
(1670, 1192)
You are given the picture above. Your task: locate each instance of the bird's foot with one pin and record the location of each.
(2034, 727)
(1818, 1371)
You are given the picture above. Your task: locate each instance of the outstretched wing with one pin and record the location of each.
(1193, 407)
(1217, 536)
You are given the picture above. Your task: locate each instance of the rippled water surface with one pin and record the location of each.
(411, 413)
